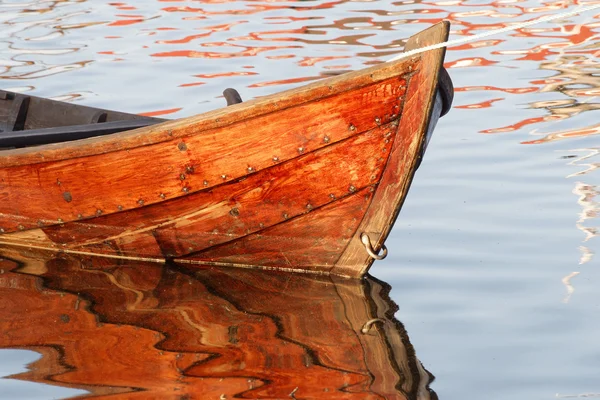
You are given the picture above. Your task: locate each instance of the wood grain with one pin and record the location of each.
(239, 186)
(398, 174)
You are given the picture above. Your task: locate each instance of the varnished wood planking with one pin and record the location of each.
(86, 187)
(217, 119)
(398, 174)
(145, 331)
(242, 207)
(310, 242)
(171, 216)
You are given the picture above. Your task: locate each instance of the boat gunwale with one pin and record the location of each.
(205, 122)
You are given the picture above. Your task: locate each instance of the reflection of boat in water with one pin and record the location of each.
(311, 179)
(158, 332)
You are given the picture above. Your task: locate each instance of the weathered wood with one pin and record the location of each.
(397, 177)
(132, 331)
(198, 188)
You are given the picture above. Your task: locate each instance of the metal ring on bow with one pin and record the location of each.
(364, 238)
(367, 326)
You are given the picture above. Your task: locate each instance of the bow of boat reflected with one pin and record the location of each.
(151, 331)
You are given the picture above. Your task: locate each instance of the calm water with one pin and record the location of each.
(492, 260)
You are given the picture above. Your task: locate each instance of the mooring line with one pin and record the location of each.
(510, 28)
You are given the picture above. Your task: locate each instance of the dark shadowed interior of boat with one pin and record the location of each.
(29, 120)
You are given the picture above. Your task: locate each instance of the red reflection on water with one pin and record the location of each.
(476, 45)
(310, 61)
(482, 104)
(210, 30)
(124, 22)
(161, 112)
(192, 84)
(252, 8)
(470, 62)
(494, 88)
(525, 122)
(567, 134)
(247, 52)
(225, 74)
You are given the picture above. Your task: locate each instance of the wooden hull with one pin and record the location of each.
(141, 331)
(291, 181)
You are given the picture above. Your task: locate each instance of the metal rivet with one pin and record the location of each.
(250, 169)
(378, 121)
(182, 146)
(119, 207)
(162, 196)
(387, 141)
(326, 139)
(205, 183)
(234, 212)
(98, 212)
(182, 177)
(21, 227)
(224, 177)
(300, 150)
(67, 196)
(79, 216)
(261, 225)
(352, 188)
(275, 158)
(185, 189)
(309, 206)
(58, 182)
(40, 223)
(189, 169)
(60, 220)
(1, 230)
(332, 196)
(140, 202)
(285, 216)
(352, 127)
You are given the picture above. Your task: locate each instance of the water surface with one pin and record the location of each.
(493, 259)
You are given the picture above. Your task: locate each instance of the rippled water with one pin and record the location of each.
(493, 258)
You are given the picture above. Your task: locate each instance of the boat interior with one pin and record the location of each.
(30, 121)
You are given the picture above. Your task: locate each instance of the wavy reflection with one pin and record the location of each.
(149, 331)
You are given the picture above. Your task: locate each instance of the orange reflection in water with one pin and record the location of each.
(149, 331)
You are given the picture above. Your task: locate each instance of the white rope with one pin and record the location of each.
(494, 32)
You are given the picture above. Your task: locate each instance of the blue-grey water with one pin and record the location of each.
(493, 259)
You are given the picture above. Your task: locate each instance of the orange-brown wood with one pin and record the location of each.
(139, 331)
(211, 187)
(397, 177)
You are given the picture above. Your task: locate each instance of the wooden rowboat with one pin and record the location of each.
(129, 330)
(311, 179)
